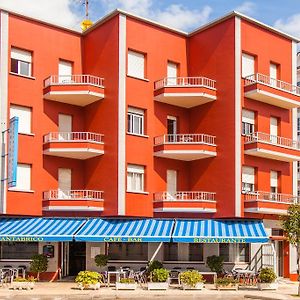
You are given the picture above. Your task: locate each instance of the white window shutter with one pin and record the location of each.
(136, 169)
(64, 68)
(136, 64)
(248, 116)
(273, 126)
(24, 115)
(64, 179)
(248, 65)
(248, 175)
(23, 177)
(273, 71)
(21, 55)
(274, 179)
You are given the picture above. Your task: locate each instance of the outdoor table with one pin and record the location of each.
(244, 276)
(243, 272)
(118, 275)
(214, 274)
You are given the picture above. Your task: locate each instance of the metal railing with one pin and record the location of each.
(272, 82)
(185, 139)
(73, 195)
(185, 82)
(273, 197)
(184, 196)
(73, 137)
(73, 80)
(272, 139)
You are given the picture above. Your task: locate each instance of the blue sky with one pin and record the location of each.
(181, 14)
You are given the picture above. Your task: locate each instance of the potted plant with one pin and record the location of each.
(159, 279)
(101, 260)
(23, 283)
(152, 265)
(38, 264)
(126, 284)
(89, 279)
(191, 280)
(226, 283)
(267, 279)
(215, 263)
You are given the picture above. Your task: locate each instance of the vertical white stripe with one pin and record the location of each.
(3, 105)
(238, 157)
(122, 116)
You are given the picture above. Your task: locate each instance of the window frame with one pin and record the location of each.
(19, 188)
(129, 68)
(135, 171)
(16, 108)
(134, 114)
(168, 250)
(18, 62)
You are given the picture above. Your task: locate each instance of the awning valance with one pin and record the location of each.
(219, 231)
(125, 230)
(39, 229)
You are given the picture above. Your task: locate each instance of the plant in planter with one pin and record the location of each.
(226, 283)
(23, 283)
(159, 279)
(215, 263)
(89, 279)
(39, 264)
(126, 284)
(153, 265)
(192, 280)
(101, 260)
(267, 279)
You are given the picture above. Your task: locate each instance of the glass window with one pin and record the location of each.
(21, 61)
(135, 120)
(128, 251)
(170, 251)
(24, 115)
(248, 179)
(23, 178)
(224, 251)
(248, 121)
(243, 252)
(18, 250)
(135, 178)
(247, 128)
(195, 252)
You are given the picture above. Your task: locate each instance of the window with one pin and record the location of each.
(248, 65)
(248, 121)
(224, 251)
(24, 115)
(128, 251)
(65, 71)
(243, 254)
(23, 178)
(248, 179)
(170, 251)
(274, 182)
(195, 252)
(135, 178)
(21, 62)
(18, 250)
(135, 121)
(136, 64)
(273, 130)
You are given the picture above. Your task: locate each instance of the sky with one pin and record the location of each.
(185, 15)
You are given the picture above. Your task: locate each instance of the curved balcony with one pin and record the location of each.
(74, 89)
(78, 145)
(190, 201)
(185, 146)
(73, 200)
(268, 203)
(271, 146)
(185, 91)
(276, 92)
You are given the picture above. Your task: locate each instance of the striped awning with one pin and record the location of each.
(125, 230)
(39, 229)
(219, 231)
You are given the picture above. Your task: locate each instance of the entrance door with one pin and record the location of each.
(171, 183)
(279, 256)
(64, 126)
(172, 73)
(64, 183)
(65, 71)
(77, 257)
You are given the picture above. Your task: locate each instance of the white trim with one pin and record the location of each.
(122, 117)
(278, 154)
(100, 95)
(203, 152)
(266, 211)
(3, 105)
(238, 117)
(76, 150)
(72, 208)
(187, 95)
(185, 209)
(20, 190)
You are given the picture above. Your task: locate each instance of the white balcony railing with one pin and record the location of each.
(73, 80)
(185, 139)
(73, 137)
(272, 139)
(272, 82)
(185, 82)
(184, 196)
(273, 197)
(73, 195)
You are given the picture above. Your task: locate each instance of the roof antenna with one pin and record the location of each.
(86, 23)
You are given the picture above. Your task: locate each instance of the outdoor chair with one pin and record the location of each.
(111, 268)
(174, 276)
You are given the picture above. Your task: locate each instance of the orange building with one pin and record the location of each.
(132, 120)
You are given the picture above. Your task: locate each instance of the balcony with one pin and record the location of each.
(272, 91)
(268, 203)
(74, 89)
(190, 202)
(185, 146)
(185, 91)
(78, 145)
(73, 200)
(273, 147)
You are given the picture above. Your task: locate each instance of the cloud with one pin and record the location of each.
(174, 15)
(246, 7)
(290, 25)
(54, 11)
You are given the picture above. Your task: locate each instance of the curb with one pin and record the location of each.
(257, 297)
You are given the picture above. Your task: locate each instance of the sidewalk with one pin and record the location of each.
(68, 290)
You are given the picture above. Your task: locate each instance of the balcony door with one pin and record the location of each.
(273, 74)
(171, 184)
(64, 126)
(172, 73)
(64, 183)
(273, 130)
(248, 65)
(172, 128)
(65, 69)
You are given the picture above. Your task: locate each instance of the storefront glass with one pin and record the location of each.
(18, 250)
(128, 251)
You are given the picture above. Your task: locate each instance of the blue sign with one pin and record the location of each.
(12, 162)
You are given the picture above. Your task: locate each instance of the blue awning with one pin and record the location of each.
(39, 229)
(125, 230)
(219, 231)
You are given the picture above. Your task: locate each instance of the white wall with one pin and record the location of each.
(53, 262)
